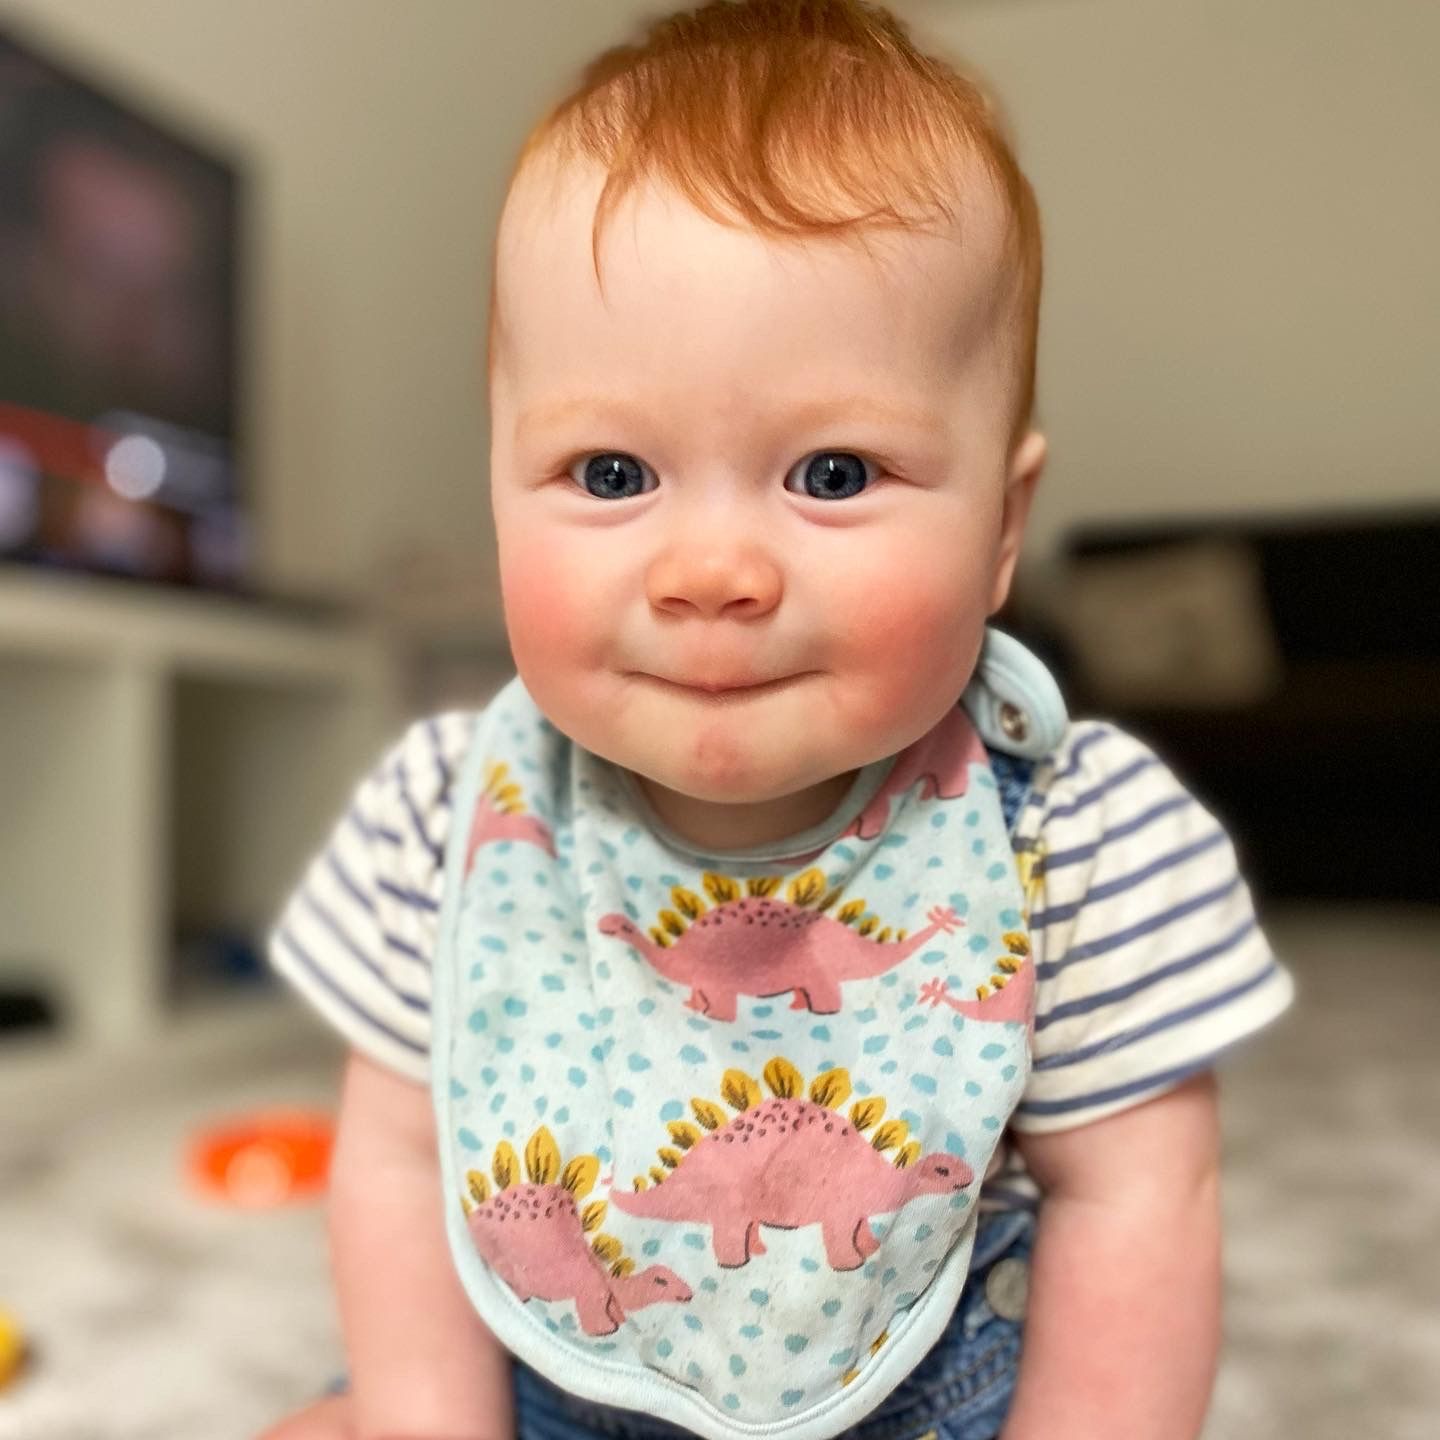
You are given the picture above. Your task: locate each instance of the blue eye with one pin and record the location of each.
(614, 476)
(831, 475)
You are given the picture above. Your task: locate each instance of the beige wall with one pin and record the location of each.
(1240, 210)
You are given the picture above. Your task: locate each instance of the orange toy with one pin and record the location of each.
(262, 1160)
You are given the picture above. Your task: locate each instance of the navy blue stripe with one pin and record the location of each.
(1106, 943)
(438, 749)
(1127, 882)
(416, 822)
(283, 937)
(413, 899)
(347, 883)
(1123, 1038)
(370, 831)
(394, 942)
(339, 933)
(1131, 1087)
(1100, 999)
(1059, 859)
(1077, 751)
(1087, 798)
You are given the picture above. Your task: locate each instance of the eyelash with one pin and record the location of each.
(875, 469)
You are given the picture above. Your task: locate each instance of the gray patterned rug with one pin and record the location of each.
(158, 1317)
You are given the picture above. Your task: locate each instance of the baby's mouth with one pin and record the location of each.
(736, 688)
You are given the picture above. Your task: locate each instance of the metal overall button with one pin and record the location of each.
(1013, 721)
(1007, 1287)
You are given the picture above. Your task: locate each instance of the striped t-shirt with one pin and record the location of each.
(1149, 960)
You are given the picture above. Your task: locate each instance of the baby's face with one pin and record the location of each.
(754, 503)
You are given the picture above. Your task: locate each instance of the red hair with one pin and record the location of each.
(797, 118)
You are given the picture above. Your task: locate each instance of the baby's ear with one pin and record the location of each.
(1027, 461)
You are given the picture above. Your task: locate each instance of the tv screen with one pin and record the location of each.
(118, 336)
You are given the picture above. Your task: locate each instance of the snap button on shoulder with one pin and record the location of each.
(1013, 721)
(1007, 1287)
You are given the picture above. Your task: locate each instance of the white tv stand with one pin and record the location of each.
(168, 761)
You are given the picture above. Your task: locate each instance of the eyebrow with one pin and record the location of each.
(865, 408)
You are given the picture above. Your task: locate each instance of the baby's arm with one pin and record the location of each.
(1123, 1323)
(422, 1362)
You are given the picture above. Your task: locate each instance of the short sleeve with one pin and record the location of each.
(356, 937)
(1150, 960)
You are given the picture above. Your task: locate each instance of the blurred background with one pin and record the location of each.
(244, 536)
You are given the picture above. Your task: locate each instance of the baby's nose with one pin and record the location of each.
(709, 581)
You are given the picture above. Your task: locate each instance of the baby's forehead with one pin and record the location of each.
(656, 244)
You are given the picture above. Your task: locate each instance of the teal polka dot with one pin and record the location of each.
(650, 1247)
(692, 1369)
(468, 1139)
(505, 1044)
(978, 943)
(760, 1297)
(819, 1032)
(792, 1397)
(494, 943)
(942, 1046)
(954, 1144)
(874, 1044)
(527, 1073)
(925, 1083)
(553, 1039)
(842, 1357)
(737, 1365)
(497, 1100)
(639, 1063)
(692, 1322)
(923, 1232)
(553, 982)
(710, 1284)
(646, 1006)
(575, 1075)
(457, 1090)
(695, 1241)
(691, 1054)
(831, 1307)
(889, 1067)
(478, 1021)
(562, 1114)
(959, 1202)
(732, 1401)
(671, 1110)
(625, 1098)
(751, 1332)
(808, 1264)
(916, 1021)
(972, 1088)
(796, 1343)
(663, 1348)
(889, 1275)
(992, 1052)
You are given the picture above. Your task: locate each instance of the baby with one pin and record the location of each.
(771, 1014)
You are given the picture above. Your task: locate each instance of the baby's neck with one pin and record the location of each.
(714, 825)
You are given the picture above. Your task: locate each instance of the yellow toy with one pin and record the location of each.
(12, 1349)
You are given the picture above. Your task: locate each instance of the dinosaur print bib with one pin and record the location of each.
(712, 1127)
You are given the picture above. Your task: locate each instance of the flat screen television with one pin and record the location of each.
(119, 317)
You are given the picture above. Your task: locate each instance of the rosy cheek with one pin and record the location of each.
(543, 610)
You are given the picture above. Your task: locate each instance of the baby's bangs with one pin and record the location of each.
(794, 117)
